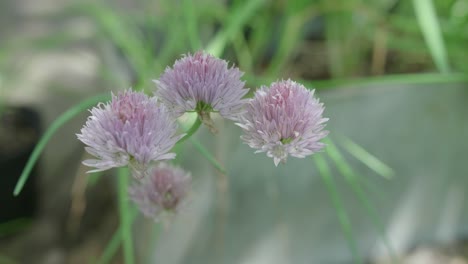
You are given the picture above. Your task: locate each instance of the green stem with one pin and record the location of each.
(192, 130)
(125, 217)
(59, 122)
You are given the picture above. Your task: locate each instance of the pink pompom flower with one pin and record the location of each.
(202, 83)
(132, 130)
(164, 190)
(284, 119)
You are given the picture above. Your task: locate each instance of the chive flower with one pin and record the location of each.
(284, 119)
(133, 129)
(203, 84)
(164, 190)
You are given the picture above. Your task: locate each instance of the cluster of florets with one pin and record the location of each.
(139, 131)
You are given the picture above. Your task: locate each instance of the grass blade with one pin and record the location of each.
(124, 36)
(192, 25)
(207, 155)
(59, 122)
(345, 223)
(368, 159)
(287, 44)
(429, 24)
(347, 172)
(395, 79)
(125, 217)
(237, 20)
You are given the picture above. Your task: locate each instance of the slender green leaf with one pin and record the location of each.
(347, 172)
(397, 79)
(125, 216)
(368, 159)
(235, 22)
(292, 29)
(429, 24)
(59, 122)
(207, 155)
(243, 53)
(125, 37)
(191, 24)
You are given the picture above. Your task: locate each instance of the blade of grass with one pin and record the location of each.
(397, 79)
(243, 54)
(337, 32)
(125, 217)
(365, 157)
(191, 24)
(207, 155)
(429, 24)
(123, 36)
(345, 223)
(59, 122)
(347, 172)
(260, 39)
(292, 29)
(235, 22)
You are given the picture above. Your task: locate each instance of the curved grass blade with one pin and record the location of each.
(60, 121)
(238, 18)
(345, 224)
(207, 155)
(122, 34)
(347, 172)
(429, 24)
(368, 159)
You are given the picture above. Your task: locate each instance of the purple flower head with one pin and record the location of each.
(202, 83)
(284, 119)
(131, 130)
(163, 191)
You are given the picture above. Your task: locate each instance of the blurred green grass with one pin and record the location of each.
(281, 39)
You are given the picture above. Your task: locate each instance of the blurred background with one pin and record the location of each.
(389, 188)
